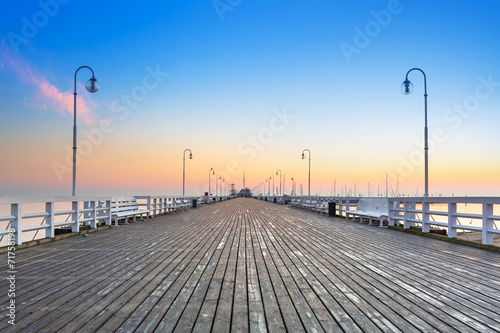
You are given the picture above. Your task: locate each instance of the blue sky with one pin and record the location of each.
(231, 65)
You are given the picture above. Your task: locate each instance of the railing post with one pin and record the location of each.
(49, 208)
(86, 204)
(75, 217)
(149, 206)
(487, 237)
(108, 218)
(93, 214)
(392, 212)
(425, 217)
(406, 223)
(452, 220)
(17, 211)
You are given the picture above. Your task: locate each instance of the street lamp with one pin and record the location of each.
(213, 173)
(303, 157)
(92, 86)
(268, 187)
(293, 186)
(270, 182)
(217, 186)
(406, 89)
(184, 169)
(281, 193)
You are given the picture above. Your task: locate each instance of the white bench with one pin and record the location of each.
(309, 204)
(296, 202)
(371, 209)
(182, 204)
(124, 208)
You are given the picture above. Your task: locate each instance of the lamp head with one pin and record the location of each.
(92, 85)
(303, 156)
(406, 87)
(276, 173)
(190, 156)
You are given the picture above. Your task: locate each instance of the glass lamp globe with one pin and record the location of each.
(406, 87)
(190, 156)
(303, 157)
(92, 85)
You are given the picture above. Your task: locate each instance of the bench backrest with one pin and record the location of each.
(122, 206)
(376, 205)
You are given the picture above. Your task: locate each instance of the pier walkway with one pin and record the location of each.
(249, 265)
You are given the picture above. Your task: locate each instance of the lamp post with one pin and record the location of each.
(92, 86)
(184, 169)
(281, 193)
(216, 186)
(406, 89)
(212, 173)
(268, 187)
(303, 157)
(293, 186)
(270, 182)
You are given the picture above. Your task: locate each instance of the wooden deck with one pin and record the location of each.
(247, 265)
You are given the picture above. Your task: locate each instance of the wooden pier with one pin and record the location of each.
(252, 266)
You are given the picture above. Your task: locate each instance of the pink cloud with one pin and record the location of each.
(46, 93)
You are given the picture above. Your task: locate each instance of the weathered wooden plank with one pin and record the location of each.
(240, 315)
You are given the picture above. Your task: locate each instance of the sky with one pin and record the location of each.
(247, 86)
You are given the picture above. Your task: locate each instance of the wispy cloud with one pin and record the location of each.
(45, 95)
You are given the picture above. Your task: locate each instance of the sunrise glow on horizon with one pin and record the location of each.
(247, 87)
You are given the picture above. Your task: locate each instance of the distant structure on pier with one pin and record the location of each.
(233, 191)
(245, 193)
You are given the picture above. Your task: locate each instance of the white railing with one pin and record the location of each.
(25, 217)
(51, 213)
(481, 214)
(466, 214)
(343, 204)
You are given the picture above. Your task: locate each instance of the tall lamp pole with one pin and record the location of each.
(184, 169)
(216, 186)
(270, 182)
(281, 192)
(210, 172)
(92, 86)
(406, 89)
(293, 186)
(303, 157)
